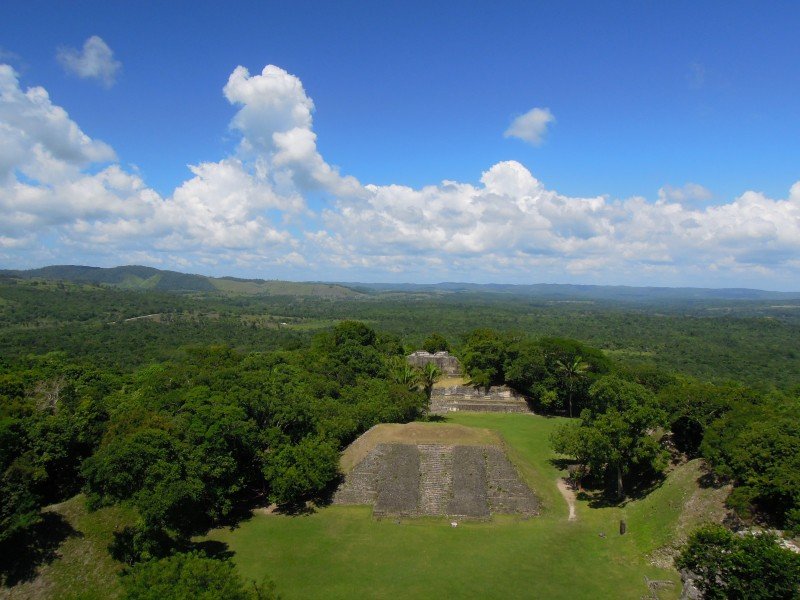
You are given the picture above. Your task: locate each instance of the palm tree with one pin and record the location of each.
(572, 372)
(428, 375)
(404, 374)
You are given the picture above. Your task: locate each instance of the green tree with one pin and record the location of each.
(757, 445)
(435, 343)
(299, 472)
(571, 371)
(693, 406)
(191, 577)
(615, 436)
(483, 357)
(734, 567)
(571, 381)
(526, 369)
(402, 373)
(429, 374)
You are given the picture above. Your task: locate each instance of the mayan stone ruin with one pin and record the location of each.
(499, 398)
(447, 363)
(467, 482)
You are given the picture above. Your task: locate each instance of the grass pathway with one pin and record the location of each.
(569, 497)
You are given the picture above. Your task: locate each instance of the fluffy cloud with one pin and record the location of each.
(276, 127)
(247, 213)
(53, 184)
(39, 139)
(514, 227)
(690, 193)
(532, 126)
(94, 61)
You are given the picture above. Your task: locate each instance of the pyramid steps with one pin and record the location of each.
(436, 478)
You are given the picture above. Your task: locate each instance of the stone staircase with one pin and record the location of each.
(436, 478)
(361, 485)
(506, 492)
(464, 482)
(398, 483)
(469, 498)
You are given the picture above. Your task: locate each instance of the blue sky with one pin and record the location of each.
(668, 158)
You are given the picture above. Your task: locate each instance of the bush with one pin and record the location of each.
(733, 567)
(190, 577)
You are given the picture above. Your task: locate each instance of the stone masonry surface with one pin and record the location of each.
(446, 362)
(437, 480)
(462, 397)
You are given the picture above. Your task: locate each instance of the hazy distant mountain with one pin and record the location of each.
(555, 292)
(144, 278)
(147, 278)
(129, 277)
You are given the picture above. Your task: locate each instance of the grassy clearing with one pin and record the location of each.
(82, 568)
(450, 381)
(342, 552)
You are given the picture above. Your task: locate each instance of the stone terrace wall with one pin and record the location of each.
(448, 363)
(498, 398)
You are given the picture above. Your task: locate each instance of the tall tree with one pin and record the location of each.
(571, 371)
(435, 342)
(614, 437)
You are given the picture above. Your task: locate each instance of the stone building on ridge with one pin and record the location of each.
(446, 362)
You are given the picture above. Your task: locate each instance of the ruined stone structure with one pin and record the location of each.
(472, 482)
(446, 362)
(498, 398)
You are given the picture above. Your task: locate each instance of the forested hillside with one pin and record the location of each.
(757, 342)
(183, 410)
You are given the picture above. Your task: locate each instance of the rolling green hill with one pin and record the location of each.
(136, 277)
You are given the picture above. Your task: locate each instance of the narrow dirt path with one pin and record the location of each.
(569, 496)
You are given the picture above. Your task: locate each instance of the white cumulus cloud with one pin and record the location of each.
(532, 126)
(39, 139)
(248, 211)
(689, 193)
(50, 186)
(275, 121)
(94, 61)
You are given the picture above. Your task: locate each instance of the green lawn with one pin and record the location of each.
(83, 569)
(342, 552)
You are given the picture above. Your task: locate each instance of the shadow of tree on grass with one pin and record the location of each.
(602, 494)
(22, 556)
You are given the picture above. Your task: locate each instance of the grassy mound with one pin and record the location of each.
(77, 565)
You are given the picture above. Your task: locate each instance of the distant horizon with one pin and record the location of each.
(312, 141)
(412, 283)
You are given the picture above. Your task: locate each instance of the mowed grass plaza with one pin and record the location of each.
(343, 552)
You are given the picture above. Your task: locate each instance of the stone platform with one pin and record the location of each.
(461, 397)
(472, 482)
